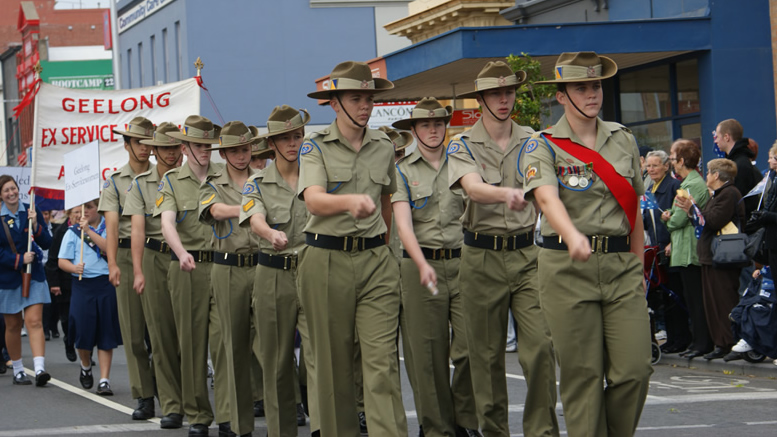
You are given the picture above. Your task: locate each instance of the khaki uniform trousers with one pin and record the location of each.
(158, 307)
(492, 281)
(345, 293)
(276, 306)
(434, 334)
(132, 322)
(257, 383)
(197, 323)
(233, 287)
(307, 367)
(599, 319)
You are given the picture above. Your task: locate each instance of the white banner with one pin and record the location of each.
(22, 177)
(82, 175)
(66, 119)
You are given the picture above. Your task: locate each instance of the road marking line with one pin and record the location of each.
(91, 396)
(87, 429)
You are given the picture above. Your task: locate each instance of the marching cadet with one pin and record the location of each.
(131, 316)
(188, 277)
(499, 259)
(260, 155)
(585, 175)
(150, 262)
(272, 210)
(234, 264)
(427, 215)
(347, 277)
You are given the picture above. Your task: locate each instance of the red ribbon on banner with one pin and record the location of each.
(29, 97)
(199, 82)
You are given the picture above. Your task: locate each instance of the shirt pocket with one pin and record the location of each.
(186, 206)
(421, 208)
(491, 176)
(336, 176)
(278, 216)
(380, 177)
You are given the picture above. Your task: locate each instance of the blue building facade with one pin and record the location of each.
(257, 53)
(685, 65)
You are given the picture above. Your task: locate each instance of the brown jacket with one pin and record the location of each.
(724, 206)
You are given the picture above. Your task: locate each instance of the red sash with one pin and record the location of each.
(620, 188)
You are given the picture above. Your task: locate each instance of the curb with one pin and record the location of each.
(764, 369)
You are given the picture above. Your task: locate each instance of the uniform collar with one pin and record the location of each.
(479, 134)
(562, 129)
(333, 134)
(152, 174)
(221, 177)
(5, 211)
(126, 170)
(186, 171)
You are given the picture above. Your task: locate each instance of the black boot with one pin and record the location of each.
(145, 409)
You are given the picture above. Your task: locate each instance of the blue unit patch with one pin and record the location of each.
(453, 148)
(248, 188)
(306, 148)
(532, 146)
(106, 184)
(161, 185)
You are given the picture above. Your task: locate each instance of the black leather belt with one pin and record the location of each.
(599, 243)
(498, 242)
(156, 245)
(125, 243)
(347, 244)
(434, 254)
(200, 256)
(235, 259)
(287, 262)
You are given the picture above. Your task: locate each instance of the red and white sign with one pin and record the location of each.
(465, 117)
(66, 119)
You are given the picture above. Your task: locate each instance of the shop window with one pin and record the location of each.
(657, 136)
(645, 94)
(688, 87)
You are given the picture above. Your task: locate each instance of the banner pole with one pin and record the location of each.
(82, 243)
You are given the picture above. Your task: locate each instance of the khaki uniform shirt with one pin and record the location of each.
(267, 193)
(593, 209)
(227, 236)
(326, 160)
(179, 192)
(436, 209)
(141, 196)
(114, 194)
(474, 151)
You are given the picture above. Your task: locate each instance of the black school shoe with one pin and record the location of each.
(104, 389)
(42, 378)
(86, 378)
(21, 379)
(3, 366)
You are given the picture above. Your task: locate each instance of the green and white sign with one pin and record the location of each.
(84, 75)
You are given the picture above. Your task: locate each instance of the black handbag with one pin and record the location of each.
(729, 251)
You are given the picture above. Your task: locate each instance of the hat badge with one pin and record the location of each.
(288, 123)
(242, 138)
(591, 72)
(431, 113)
(365, 84)
(148, 132)
(205, 134)
(502, 81)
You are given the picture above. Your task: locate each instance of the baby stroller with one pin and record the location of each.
(655, 275)
(754, 321)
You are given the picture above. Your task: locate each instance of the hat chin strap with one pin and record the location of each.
(492, 112)
(132, 150)
(278, 152)
(337, 95)
(426, 145)
(234, 166)
(575, 106)
(191, 153)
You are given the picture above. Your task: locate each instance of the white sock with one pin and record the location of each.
(17, 367)
(87, 368)
(104, 380)
(39, 364)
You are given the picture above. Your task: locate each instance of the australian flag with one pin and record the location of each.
(649, 201)
(697, 219)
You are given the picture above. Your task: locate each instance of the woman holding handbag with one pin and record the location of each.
(14, 258)
(766, 215)
(719, 285)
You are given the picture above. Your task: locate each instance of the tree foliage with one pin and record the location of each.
(532, 102)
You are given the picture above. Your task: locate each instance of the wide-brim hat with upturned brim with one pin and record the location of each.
(261, 149)
(352, 76)
(198, 129)
(236, 134)
(572, 67)
(427, 109)
(162, 136)
(284, 119)
(496, 74)
(138, 127)
(400, 139)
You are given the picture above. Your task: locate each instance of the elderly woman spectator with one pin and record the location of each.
(684, 156)
(662, 278)
(719, 284)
